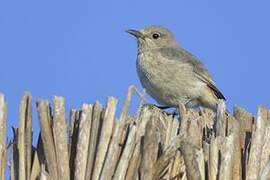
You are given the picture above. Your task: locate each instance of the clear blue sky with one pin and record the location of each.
(80, 50)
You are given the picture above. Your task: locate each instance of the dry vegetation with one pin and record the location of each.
(149, 145)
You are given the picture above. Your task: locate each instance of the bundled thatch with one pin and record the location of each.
(149, 145)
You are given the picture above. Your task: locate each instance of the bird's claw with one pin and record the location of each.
(155, 106)
(151, 106)
(173, 114)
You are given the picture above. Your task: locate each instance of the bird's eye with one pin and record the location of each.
(156, 36)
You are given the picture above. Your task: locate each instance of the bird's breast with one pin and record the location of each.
(163, 79)
(159, 70)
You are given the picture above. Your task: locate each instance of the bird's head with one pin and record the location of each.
(152, 37)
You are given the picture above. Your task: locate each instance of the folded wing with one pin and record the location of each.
(199, 69)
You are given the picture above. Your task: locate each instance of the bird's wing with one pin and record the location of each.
(199, 69)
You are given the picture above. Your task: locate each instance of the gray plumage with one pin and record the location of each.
(170, 74)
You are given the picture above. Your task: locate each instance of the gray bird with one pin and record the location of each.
(170, 74)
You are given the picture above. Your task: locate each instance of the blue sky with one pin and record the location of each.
(80, 50)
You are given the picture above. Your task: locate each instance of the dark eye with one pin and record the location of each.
(156, 36)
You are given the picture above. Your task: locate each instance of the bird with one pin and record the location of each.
(170, 74)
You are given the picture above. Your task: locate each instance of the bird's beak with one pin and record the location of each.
(135, 33)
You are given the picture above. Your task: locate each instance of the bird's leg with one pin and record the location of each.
(174, 113)
(162, 107)
(148, 105)
(159, 107)
(187, 101)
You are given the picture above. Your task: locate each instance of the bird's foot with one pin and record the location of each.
(156, 106)
(162, 107)
(150, 106)
(174, 113)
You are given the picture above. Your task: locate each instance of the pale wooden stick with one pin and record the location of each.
(206, 153)
(74, 133)
(144, 117)
(200, 161)
(168, 132)
(265, 174)
(36, 168)
(119, 132)
(12, 168)
(256, 145)
(126, 103)
(3, 163)
(28, 133)
(150, 151)
(82, 144)
(126, 156)
(60, 138)
(266, 145)
(227, 155)
(133, 167)
(47, 137)
(233, 127)
(3, 114)
(178, 167)
(25, 136)
(93, 140)
(112, 156)
(193, 166)
(40, 152)
(265, 150)
(245, 120)
(15, 156)
(72, 118)
(174, 129)
(221, 119)
(191, 127)
(43, 174)
(213, 157)
(105, 137)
